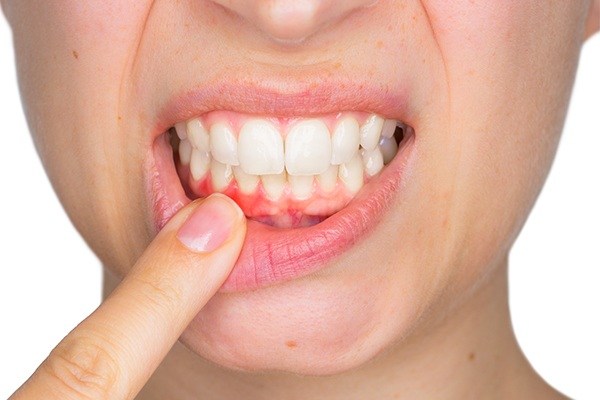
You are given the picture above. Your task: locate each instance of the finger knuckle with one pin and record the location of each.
(163, 295)
(82, 368)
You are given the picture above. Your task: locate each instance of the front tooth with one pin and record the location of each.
(260, 148)
(274, 185)
(388, 148)
(181, 129)
(328, 179)
(199, 163)
(185, 152)
(372, 160)
(198, 135)
(246, 183)
(221, 175)
(389, 128)
(345, 141)
(308, 148)
(301, 185)
(371, 131)
(223, 144)
(351, 174)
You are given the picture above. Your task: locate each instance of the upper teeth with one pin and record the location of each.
(308, 150)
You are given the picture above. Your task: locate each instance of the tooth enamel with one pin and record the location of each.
(260, 148)
(389, 127)
(223, 144)
(274, 185)
(221, 175)
(351, 174)
(246, 183)
(328, 179)
(185, 152)
(308, 148)
(345, 141)
(199, 164)
(301, 185)
(370, 132)
(389, 148)
(372, 161)
(181, 130)
(198, 135)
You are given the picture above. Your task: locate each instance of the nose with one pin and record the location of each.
(293, 20)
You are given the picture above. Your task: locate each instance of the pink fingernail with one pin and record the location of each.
(210, 224)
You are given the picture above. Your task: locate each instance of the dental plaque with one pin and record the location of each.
(284, 172)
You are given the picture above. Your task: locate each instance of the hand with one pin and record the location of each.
(114, 351)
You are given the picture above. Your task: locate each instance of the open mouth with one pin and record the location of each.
(284, 172)
(311, 187)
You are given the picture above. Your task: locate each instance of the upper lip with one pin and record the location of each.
(285, 99)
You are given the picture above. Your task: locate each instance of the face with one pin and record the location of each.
(138, 107)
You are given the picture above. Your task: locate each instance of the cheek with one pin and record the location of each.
(509, 77)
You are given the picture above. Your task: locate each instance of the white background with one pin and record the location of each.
(49, 280)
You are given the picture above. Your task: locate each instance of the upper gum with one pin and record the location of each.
(237, 120)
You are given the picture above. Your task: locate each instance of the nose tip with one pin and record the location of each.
(292, 20)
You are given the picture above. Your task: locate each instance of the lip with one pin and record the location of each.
(274, 255)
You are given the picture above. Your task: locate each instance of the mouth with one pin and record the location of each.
(311, 186)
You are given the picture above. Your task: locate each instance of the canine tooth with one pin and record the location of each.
(389, 127)
(221, 175)
(372, 160)
(260, 148)
(274, 185)
(185, 152)
(389, 148)
(181, 130)
(345, 141)
(308, 148)
(301, 185)
(371, 131)
(223, 144)
(351, 174)
(246, 183)
(199, 164)
(328, 179)
(198, 135)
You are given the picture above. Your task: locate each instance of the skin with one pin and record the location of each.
(416, 310)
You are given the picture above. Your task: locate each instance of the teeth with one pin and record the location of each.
(223, 144)
(260, 148)
(328, 179)
(388, 148)
(199, 164)
(370, 132)
(372, 160)
(351, 174)
(181, 129)
(302, 186)
(197, 135)
(345, 141)
(221, 174)
(389, 127)
(246, 183)
(185, 152)
(308, 148)
(274, 185)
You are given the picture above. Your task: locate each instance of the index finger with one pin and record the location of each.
(113, 352)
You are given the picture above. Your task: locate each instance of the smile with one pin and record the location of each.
(310, 186)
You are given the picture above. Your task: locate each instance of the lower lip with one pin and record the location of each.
(274, 255)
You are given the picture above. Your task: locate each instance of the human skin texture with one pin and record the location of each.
(422, 295)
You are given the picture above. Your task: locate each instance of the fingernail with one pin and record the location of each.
(210, 224)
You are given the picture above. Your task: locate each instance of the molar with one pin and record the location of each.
(260, 148)
(308, 148)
